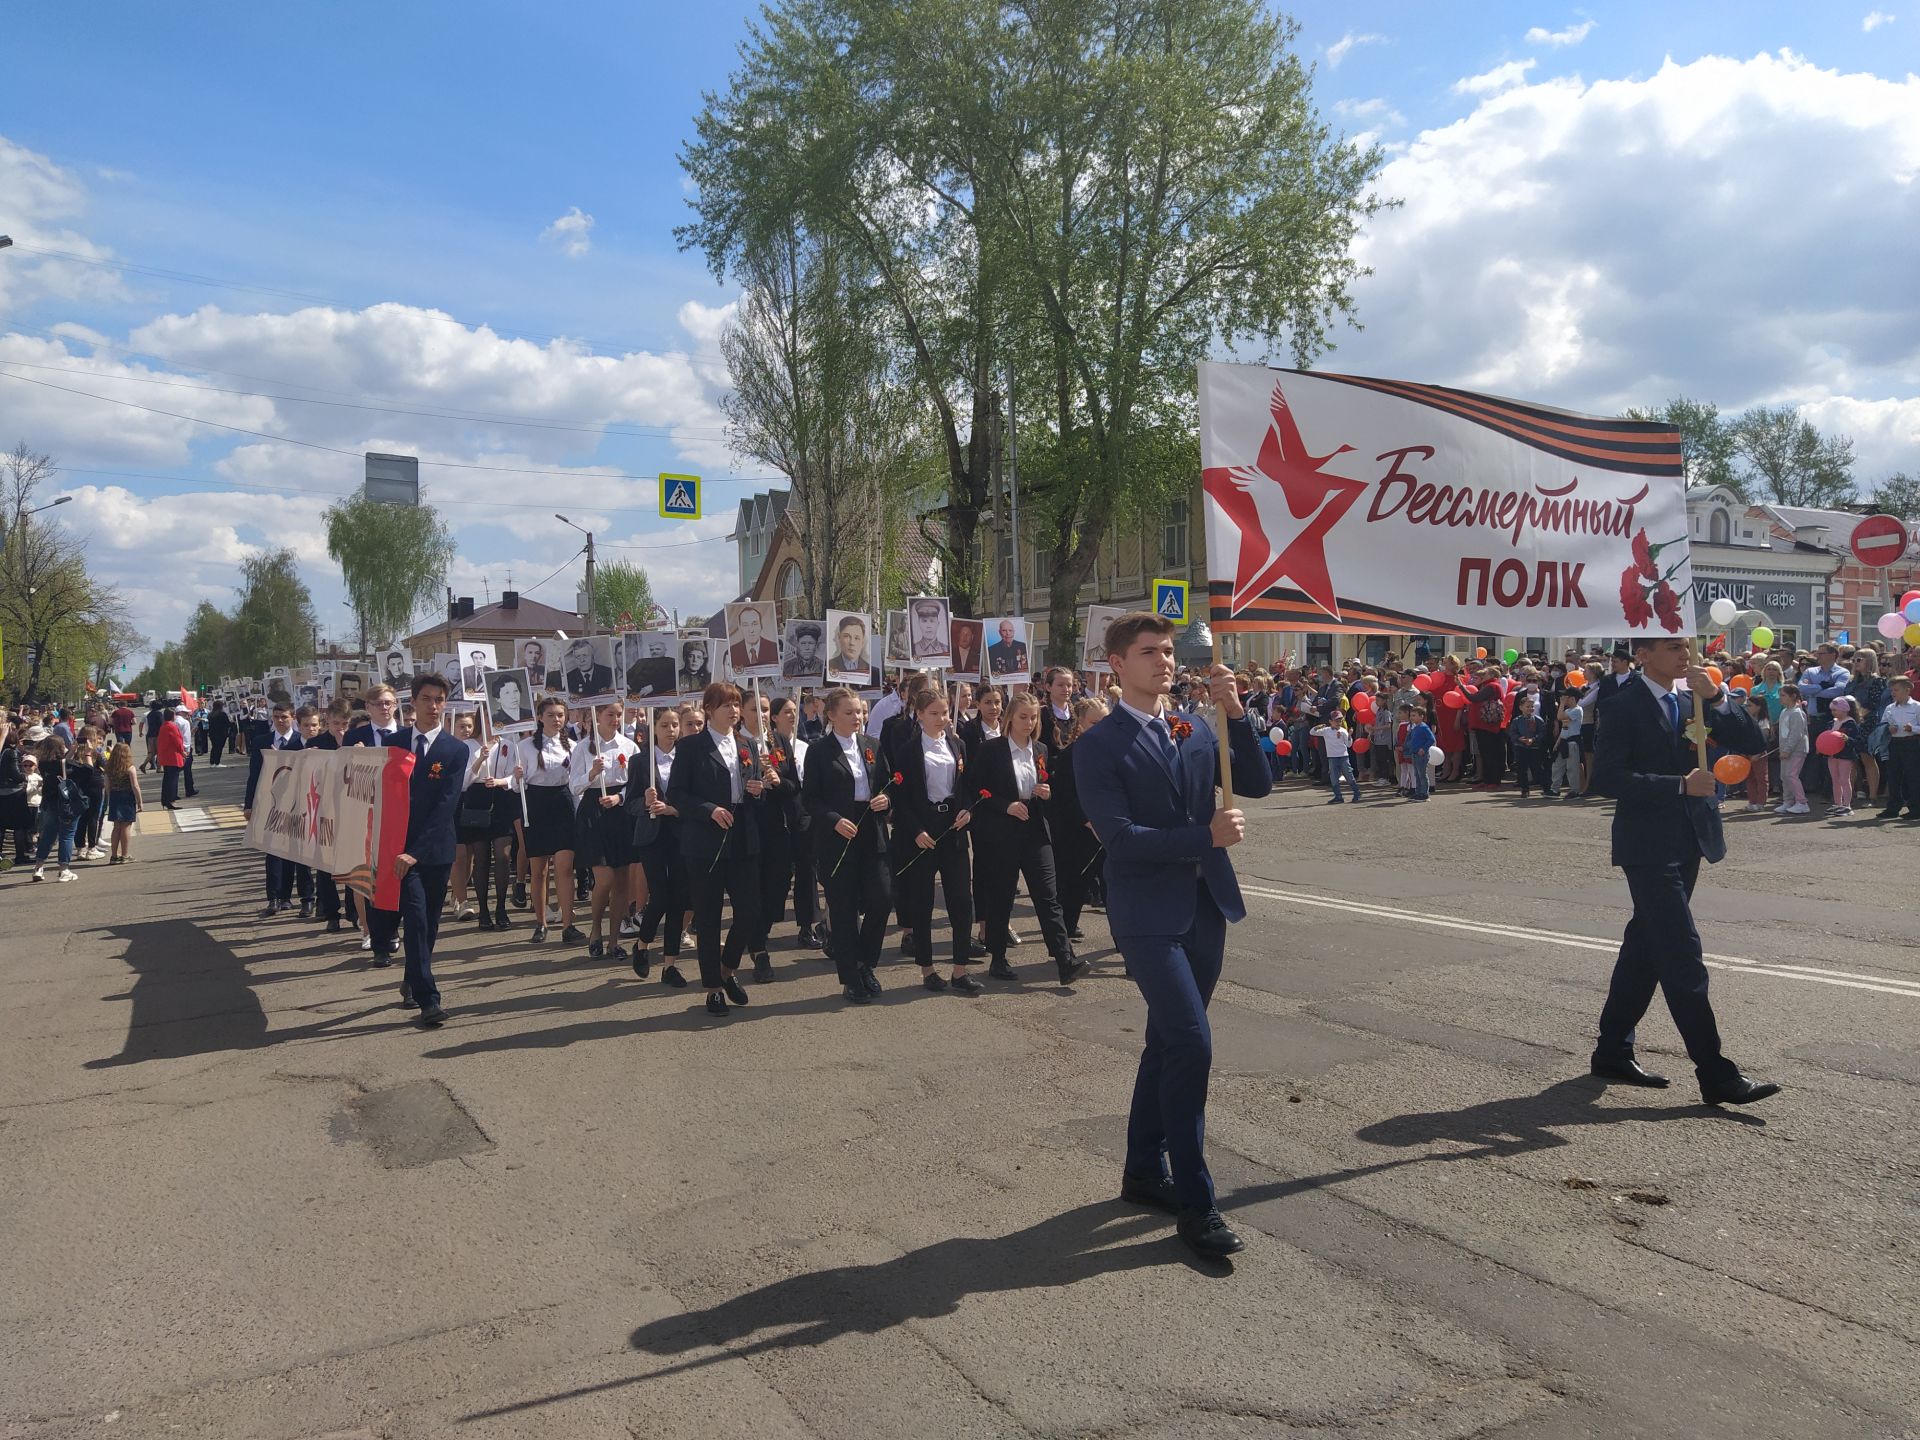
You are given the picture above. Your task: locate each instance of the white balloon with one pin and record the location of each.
(1437, 756)
(1722, 611)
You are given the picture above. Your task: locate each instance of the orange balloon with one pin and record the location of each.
(1576, 677)
(1714, 673)
(1731, 769)
(1741, 682)
(1480, 652)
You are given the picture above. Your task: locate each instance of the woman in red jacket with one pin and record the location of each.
(170, 749)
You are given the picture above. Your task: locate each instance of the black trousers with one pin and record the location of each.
(284, 875)
(1490, 749)
(169, 784)
(950, 862)
(806, 884)
(1002, 864)
(1074, 849)
(215, 744)
(1661, 950)
(667, 894)
(1531, 767)
(326, 895)
(186, 776)
(859, 895)
(735, 878)
(776, 880)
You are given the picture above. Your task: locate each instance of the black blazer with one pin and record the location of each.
(701, 785)
(973, 735)
(828, 790)
(896, 733)
(641, 774)
(914, 811)
(1063, 810)
(258, 756)
(993, 772)
(783, 810)
(1640, 761)
(433, 794)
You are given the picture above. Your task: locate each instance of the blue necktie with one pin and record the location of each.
(1673, 711)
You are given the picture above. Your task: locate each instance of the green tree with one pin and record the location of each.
(273, 623)
(620, 588)
(1707, 447)
(1789, 462)
(49, 604)
(1898, 494)
(394, 560)
(208, 648)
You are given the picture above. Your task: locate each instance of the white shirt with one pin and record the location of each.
(617, 752)
(884, 709)
(280, 738)
(1335, 739)
(1901, 719)
(799, 748)
(423, 739)
(943, 771)
(662, 767)
(1026, 774)
(496, 761)
(729, 747)
(856, 762)
(535, 748)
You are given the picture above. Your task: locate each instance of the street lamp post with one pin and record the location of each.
(25, 514)
(589, 534)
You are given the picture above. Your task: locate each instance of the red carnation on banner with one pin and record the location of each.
(1633, 599)
(1643, 556)
(1645, 593)
(1666, 604)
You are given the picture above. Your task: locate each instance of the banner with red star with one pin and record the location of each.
(1343, 502)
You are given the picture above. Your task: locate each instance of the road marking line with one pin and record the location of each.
(1880, 984)
(194, 817)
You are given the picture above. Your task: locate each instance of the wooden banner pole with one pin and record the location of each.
(1226, 748)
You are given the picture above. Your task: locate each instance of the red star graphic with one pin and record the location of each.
(1312, 496)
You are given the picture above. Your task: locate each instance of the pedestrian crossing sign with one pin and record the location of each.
(1170, 600)
(679, 497)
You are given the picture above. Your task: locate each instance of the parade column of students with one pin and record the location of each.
(932, 819)
(603, 831)
(846, 797)
(716, 788)
(657, 848)
(545, 773)
(783, 832)
(1010, 809)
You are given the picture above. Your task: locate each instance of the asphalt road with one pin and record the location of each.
(242, 1198)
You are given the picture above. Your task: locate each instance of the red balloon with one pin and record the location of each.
(1423, 683)
(1283, 747)
(1907, 599)
(1454, 700)
(1361, 744)
(1831, 743)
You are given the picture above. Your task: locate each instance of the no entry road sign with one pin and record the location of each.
(1879, 540)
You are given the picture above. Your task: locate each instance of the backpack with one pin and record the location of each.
(1491, 710)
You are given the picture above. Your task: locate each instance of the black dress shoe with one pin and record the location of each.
(1208, 1235)
(486, 921)
(1000, 969)
(539, 935)
(1627, 1071)
(1154, 1193)
(596, 948)
(642, 966)
(306, 909)
(736, 992)
(670, 975)
(500, 920)
(934, 980)
(1076, 935)
(870, 980)
(816, 938)
(431, 1018)
(966, 985)
(381, 959)
(856, 994)
(762, 968)
(573, 935)
(1736, 1089)
(716, 1004)
(272, 910)
(1071, 969)
(334, 926)
(977, 951)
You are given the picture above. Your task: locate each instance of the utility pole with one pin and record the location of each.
(1013, 501)
(590, 596)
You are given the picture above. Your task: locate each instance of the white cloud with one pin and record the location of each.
(40, 194)
(1874, 19)
(1735, 230)
(1501, 77)
(1572, 35)
(572, 232)
(1337, 51)
(1376, 112)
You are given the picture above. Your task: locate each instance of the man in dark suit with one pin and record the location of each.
(283, 736)
(1146, 781)
(752, 650)
(716, 773)
(1665, 821)
(583, 675)
(424, 865)
(966, 647)
(1008, 656)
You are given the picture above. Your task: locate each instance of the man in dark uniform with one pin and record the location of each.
(1008, 656)
(1664, 822)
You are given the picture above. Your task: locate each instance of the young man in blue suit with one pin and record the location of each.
(281, 735)
(1146, 778)
(439, 775)
(1665, 821)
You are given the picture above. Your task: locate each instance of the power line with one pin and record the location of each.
(355, 454)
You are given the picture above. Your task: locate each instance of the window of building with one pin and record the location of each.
(1719, 528)
(1319, 649)
(1173, 537)
(788, 588)
(1003, 562)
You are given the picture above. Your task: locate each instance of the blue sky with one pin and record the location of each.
(1603, 206)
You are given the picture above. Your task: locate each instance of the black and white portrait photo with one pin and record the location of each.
(475, 661)
(1093, 643)
(541, 660)
(899, 656)
(696, 664)
(803, 651)
(396, 669)
(927, 631)
(847, 660)
(586, 671)
(752, 650)
(509, 701)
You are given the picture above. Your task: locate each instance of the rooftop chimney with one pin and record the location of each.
(509, 599)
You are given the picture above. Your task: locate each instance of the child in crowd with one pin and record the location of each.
(1565, 775)
(1790, 738)
(1528, 734)
(1333, 735)
(123, 803)
(1406, 713)
(1757, 776)
(1416, 745)
(1902, 719)
(1840, 764)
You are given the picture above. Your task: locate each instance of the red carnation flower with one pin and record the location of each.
(986, 794)
(898, 778)
(1633, 599)
(1643, 556)
(1666, 604)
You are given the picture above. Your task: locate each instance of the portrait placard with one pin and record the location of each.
(696, 666)
(965, 641)
(803, 652)
(586, 670)
(396, 669)
(848, 660)
(1093, 637)
(929, 636)
(509, 701)
(753, 652)
(1009, 654)
(476, 659)
(652, 668)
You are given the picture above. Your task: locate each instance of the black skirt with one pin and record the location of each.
(602, 835)
(549, 820)
(472, 798)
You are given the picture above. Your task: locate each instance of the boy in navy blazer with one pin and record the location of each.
(439, 775)
(1146, 779)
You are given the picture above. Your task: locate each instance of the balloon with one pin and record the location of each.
(1907, 599)
(1283, 747)
(1912, 611)
(1361, 744)
(1831, 743)
(1576, 678)
(1891, 624)
(1912, 635)
(1741, 682)
(1480, 652)
(1454, 700)
(1731, 769)
(1762, 638)
(1437, 756)
(1509, 655)
(1722, 611)
(1423, 683)
(1715, 674)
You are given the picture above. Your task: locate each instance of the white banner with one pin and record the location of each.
(1339, 502)
(343, 812)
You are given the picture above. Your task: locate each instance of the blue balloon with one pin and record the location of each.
(1912, 612)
